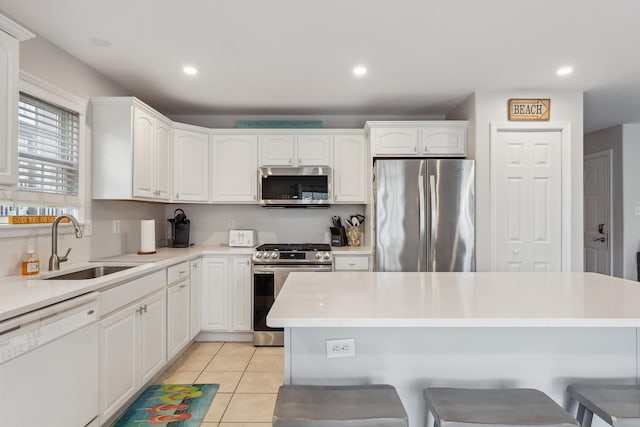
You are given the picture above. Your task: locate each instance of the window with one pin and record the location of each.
(48, 145)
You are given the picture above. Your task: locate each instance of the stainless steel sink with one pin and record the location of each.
(90, 273)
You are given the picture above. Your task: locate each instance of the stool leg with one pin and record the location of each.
(585, 416)
(580, 415)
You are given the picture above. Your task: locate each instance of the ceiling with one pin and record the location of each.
(296, 56)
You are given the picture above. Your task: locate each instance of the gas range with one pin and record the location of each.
(292, 253)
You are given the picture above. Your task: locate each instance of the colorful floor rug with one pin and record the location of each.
(171, 405)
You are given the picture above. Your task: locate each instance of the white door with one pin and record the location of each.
(314, 150)
(241, 296)
(527, 200)
(215, 306)
(349, 169)
(178, 318)
(163, 161)
(597, 212)
(234, 174)
(277, 150)
(152, 348)
(143, 154)
(190, 166)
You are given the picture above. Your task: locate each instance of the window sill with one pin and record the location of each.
(31, 230)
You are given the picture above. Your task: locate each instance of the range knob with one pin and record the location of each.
(318, 256)
(274, 255)
(258, 255)
(327, 255)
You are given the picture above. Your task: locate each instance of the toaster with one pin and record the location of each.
(242, 238)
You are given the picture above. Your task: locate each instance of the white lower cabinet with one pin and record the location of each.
(132, 350)
(195, 299)
(226, 294)
(350, 262)
(178, 317)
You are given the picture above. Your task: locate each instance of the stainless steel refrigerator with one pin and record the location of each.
(425, 215)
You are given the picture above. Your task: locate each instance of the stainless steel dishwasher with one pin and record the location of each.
(49, 366)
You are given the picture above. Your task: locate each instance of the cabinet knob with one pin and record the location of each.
(255, 197)
(195, 266)
(177, 195)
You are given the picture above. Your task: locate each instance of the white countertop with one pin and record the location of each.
(19, 295)
(361, 299)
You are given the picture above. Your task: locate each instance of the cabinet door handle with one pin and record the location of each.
(299, 160)
(183, 286)
(195, 266)
(255, 197)
(177, 195)
(181, 272)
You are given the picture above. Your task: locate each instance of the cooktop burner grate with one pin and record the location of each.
(293, 247)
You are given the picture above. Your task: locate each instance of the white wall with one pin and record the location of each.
(611, 139)
(48, 62)
(631, 197)
(487, 107)
(210, 223)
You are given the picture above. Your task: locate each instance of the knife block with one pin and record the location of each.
(338, 236)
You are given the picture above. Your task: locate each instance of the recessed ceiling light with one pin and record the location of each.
(192, 71)
(360, 71)
(564, 71)
(96, 41)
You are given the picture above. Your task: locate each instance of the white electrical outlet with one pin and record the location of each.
(341, 348)
(116, 226)
(88, 229)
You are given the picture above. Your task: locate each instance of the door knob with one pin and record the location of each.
(599, 239)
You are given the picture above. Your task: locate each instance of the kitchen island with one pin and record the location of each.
(413, 330)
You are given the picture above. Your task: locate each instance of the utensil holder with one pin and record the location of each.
(354, 236)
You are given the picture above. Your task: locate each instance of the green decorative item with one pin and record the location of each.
(275, 124)
(175, 405)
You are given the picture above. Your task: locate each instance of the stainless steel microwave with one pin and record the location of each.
(308, 186)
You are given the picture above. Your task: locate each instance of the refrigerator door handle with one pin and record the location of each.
(422, 265)
(433, 222)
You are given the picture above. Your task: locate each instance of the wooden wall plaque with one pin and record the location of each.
(538, 109)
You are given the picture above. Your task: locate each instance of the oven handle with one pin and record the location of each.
(306, 268)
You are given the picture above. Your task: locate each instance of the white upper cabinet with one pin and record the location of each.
(446, 138)
(190, 165)
(314, 150)
(10, 36)
(131, 150)
(349, 169)
(234, 168)
(295, 150)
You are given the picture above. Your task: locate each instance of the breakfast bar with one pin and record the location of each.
(417, 330)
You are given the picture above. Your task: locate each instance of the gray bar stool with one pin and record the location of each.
(465, 407)
(618, 405)
(376, 405)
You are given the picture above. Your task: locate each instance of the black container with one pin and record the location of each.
(179, 230)
(338, 236)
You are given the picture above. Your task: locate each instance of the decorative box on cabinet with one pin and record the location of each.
(11, 34)
(295, 150)
(131, 150)
(444, 138)
(226, 294)
(132, 339)
(190, 164)
(234, 168)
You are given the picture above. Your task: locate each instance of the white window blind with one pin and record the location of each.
(47, 147)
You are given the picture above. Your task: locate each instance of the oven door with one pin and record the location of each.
(267, 283)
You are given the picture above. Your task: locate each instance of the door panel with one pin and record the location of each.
(597, 212)
(398, 215)
(528, 204)
(450, 228)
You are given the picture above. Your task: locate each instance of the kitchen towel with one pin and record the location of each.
(147, 236)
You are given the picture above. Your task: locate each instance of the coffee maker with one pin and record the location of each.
(179, 230)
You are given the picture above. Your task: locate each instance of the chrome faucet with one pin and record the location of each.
(55, 260)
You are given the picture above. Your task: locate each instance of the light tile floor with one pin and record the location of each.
(249, 378)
